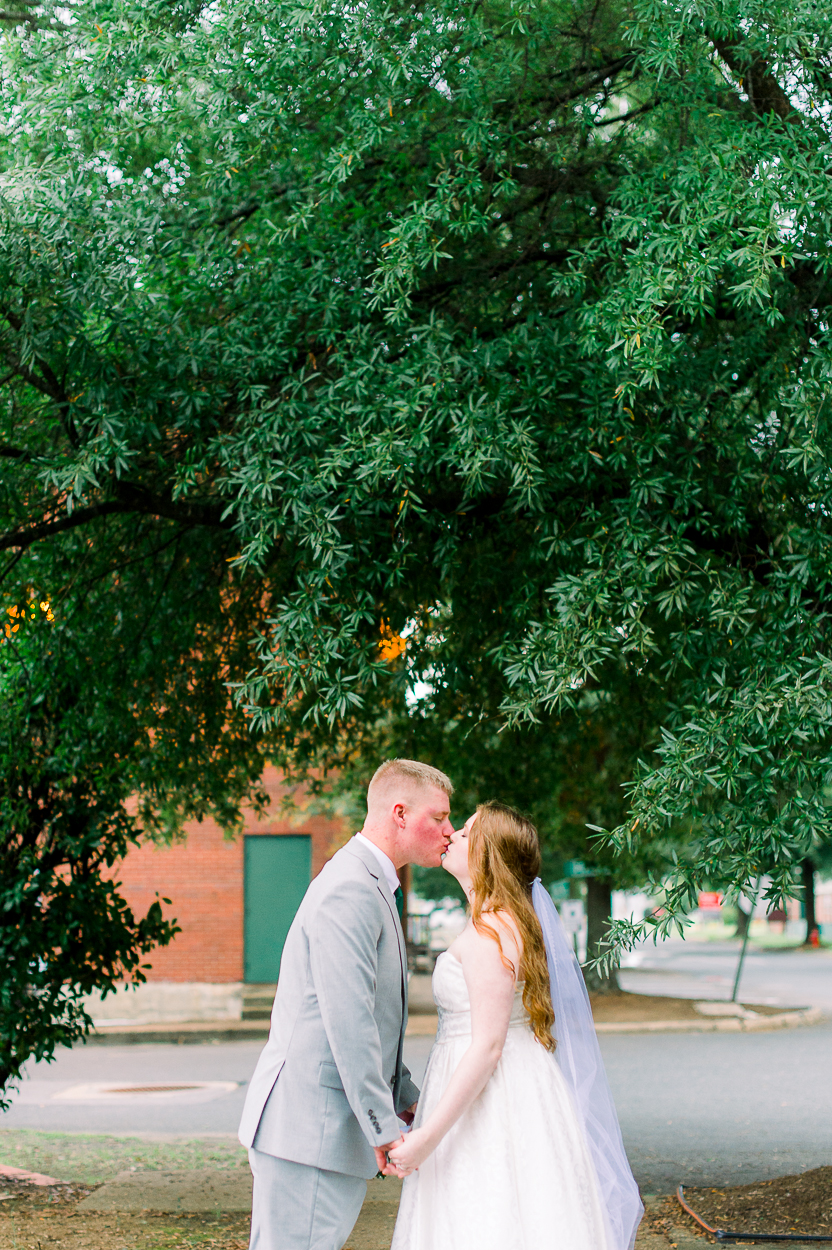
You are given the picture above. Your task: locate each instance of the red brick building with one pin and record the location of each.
(233, 899)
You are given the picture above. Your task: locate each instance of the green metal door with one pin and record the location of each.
(278, 869)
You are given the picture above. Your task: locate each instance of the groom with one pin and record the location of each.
(330, 1092)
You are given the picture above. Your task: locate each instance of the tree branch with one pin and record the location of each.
(623, 118)
(595, 77)
(47, 383)
(133, 499)
(34, 22)
(140, 499)
(764, 91)
(275, 191)
(24, 538)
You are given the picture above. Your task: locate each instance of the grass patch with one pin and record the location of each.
(90, 1159)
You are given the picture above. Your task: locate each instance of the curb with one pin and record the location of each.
(180, 1034)
(732, 1024)
(425, 1026)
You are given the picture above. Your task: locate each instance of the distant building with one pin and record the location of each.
(234, 901)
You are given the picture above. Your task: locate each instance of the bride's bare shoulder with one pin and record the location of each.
(500, 925)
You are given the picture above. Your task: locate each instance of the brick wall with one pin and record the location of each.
(203, 878)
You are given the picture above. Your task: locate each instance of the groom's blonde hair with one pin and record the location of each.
(421, 776)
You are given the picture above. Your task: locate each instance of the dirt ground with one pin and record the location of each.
(34, 1218)
(789, 1204)
(626, 1008)
(46, 1219)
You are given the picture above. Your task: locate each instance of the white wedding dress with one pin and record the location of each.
(514, 1172)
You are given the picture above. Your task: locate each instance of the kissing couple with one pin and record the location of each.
(514, 1142)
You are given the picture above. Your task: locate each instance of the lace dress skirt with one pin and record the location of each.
(514, 1172)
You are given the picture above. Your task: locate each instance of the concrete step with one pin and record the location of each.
(258, 1001)
(182, 1034)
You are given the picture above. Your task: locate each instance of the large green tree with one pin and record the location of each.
(501, 325)
(104, 740)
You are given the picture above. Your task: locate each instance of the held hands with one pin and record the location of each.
(382, 1152)
(384, 1165)
(408, 1154)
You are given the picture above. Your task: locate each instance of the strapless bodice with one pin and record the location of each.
(450, 993)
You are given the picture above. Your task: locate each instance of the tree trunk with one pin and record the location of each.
(743, 921)
(807, 870)
(598, 915)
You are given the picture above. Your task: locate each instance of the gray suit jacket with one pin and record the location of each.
(330, 1079)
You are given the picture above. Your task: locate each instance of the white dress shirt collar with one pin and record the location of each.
(385, 863)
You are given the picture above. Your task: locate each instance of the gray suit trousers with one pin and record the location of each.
(297, 1207)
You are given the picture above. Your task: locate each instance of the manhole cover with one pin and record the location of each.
(148, 1089)
(110, 1092)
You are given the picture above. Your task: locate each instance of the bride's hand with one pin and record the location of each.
(412, 1152)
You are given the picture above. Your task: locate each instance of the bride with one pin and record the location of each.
(512, 1148)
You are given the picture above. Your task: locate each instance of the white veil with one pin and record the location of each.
(580, 1061)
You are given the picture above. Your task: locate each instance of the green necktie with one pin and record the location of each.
(399, 897)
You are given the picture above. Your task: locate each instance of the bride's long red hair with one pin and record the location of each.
(504, 859)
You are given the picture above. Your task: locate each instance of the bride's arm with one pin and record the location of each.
(491, 991)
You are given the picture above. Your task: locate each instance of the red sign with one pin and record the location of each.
(710, 901)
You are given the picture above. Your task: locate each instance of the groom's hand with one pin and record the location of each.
(409, 1115)
(384, 1165)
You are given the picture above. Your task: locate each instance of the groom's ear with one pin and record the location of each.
(399, 813)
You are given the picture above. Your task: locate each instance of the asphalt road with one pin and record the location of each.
(720, 1108)
(53, 1095)
(725, 1108)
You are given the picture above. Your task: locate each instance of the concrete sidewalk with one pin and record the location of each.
(230, 1192)
(425, 1026)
